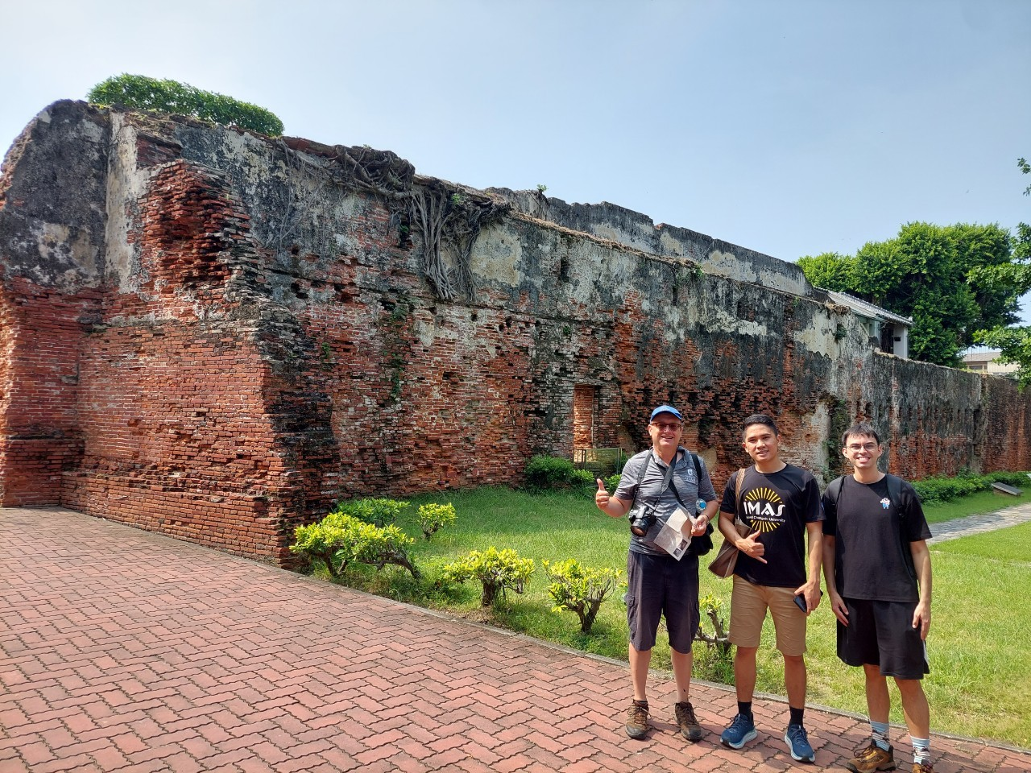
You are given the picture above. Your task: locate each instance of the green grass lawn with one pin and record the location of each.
(978, 503)
(978, 648)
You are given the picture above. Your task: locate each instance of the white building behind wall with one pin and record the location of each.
(889, 332)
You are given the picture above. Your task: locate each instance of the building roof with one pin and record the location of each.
(867, 309)
(980, 356)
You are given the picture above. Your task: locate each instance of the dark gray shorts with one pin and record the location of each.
(881, 633)
(661, 586)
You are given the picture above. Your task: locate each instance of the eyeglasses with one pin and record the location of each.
(668, 426)
(870, 446)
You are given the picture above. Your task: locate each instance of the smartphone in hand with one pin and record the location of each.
(800, 602)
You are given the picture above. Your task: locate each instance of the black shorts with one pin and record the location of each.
(882, 633)
(661, 586)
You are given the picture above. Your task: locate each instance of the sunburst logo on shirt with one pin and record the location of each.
(763, 508)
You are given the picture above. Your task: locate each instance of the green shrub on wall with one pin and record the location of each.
(142, 93)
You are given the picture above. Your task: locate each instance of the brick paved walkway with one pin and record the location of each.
(125, 650)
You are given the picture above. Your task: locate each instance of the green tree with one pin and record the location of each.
(1014, 342)
(832, 271)
(952, 280)
(139, 92)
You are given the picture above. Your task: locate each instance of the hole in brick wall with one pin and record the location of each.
(585, 400)
(563, 269)
(473, 316)
(296, 288)
(342, 293)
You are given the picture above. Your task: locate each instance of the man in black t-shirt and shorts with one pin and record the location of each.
(780, 504)
(878, 572)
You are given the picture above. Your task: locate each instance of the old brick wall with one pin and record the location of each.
(228, 333)
(152, 381)
(51, 241)
(40, 340)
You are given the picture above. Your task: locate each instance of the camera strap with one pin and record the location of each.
(667, 479)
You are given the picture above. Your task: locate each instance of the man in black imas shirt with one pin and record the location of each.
(780, 505)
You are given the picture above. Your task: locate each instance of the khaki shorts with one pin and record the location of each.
(748, 605)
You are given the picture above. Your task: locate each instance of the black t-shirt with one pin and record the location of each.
(778, 506)
(872, 556)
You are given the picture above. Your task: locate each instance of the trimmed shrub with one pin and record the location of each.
(938, 489)
(375, 511)
(580, 590)
(434, 516)
(496, 570)
(340, 539)
(545, 472)
(139, 92)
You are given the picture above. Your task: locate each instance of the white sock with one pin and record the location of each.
(921, 749)
(880, 734)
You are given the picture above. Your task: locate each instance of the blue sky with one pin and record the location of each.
(791, 127)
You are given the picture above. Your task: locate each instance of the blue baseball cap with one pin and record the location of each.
(666, 409)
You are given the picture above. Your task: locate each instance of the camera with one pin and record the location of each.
(641, 519)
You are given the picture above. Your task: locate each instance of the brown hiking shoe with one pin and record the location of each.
(687, 722)
(636, 721)
(872, 759)
(922, 767)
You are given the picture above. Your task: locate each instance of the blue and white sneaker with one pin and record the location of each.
(798, 744)
(740, 731)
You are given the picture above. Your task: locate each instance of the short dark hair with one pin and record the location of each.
(860, 429)
(760, 419)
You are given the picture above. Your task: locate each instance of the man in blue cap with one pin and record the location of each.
(655, 484)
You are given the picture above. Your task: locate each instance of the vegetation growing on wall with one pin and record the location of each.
(396, 328)
(446, 220)
(450, 222)
(138, 92)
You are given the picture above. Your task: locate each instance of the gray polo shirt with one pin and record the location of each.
(641, 482)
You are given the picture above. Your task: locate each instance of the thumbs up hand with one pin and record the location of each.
(601, 498)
